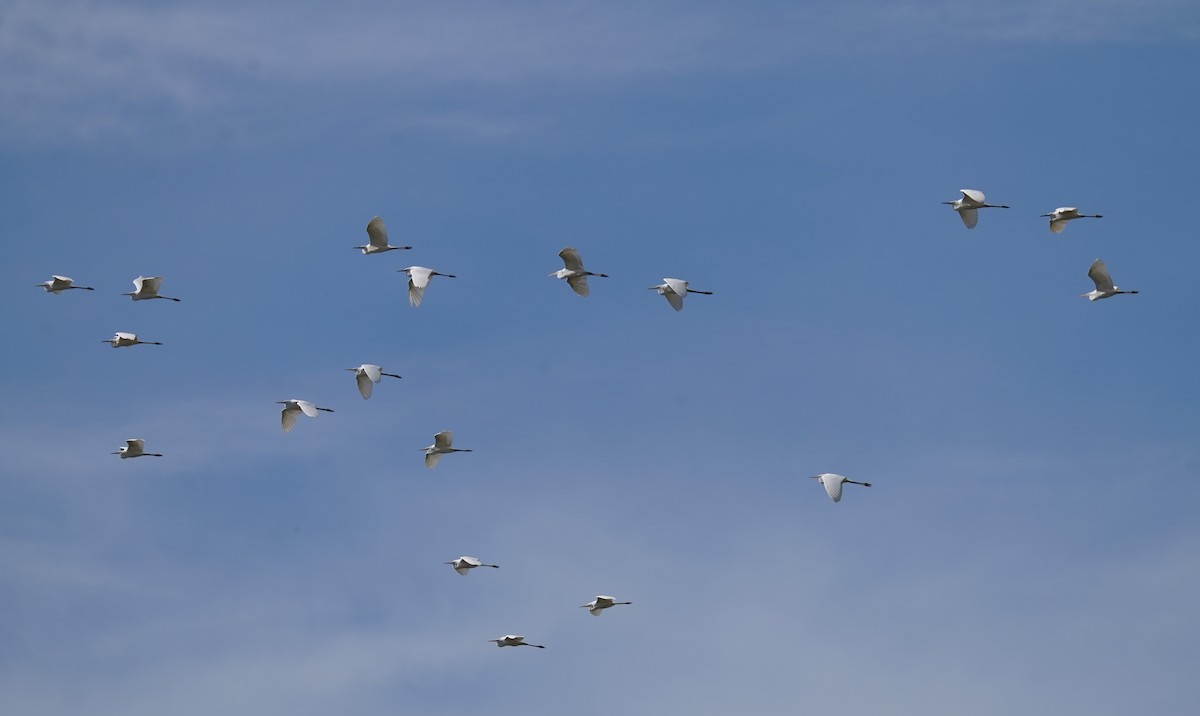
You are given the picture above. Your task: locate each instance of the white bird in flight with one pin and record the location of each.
(574, 272)
(292, 409)
(378, 239)
(121, 339)
(135, 447)
(418, 279)
(599, 604)
(514, 640)
(674, 290)
(833, 484)
(367, 376)
(971, 200)
(58, 284)
(1060, 216)
(465, 564)
(146, 288)
(1104, 284)
(440, 446)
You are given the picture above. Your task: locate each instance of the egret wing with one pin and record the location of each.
(126, 336)
(150, 284)
(135, 445)
(973, 196)
(833, 486)
(1099, 275)
(374, 372)
(416, 293)
(571, 259)
(288, 418)
(364, 384)
(462, 569)
(472, 561)
(1057, 225)
(309, 409)
(677, 285)
(418, 276)
(578, 284)
(970, 217)
(443, 439)
(431, 459)
(675, 299)
(377, 233)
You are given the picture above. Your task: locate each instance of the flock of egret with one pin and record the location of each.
(573, 272)
(972, 200)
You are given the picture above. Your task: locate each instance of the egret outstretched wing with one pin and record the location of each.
(377, 233)
(1099, 275)
(443, 439)
(970, 217)
(288, 418)
(365, 384)
(571, 259)
(973, 196)
(431, 459)
(833, 486)
(578, 284)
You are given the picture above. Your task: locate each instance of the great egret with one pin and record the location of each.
(1104, 284)
(122, 339)
(146, 288)
(465, 564)
(574, 272)
(1060, 216)
(514, 640)
(367, 376)
(599, 604)
(440, 446)
(292, 409)
(377, 238)
(971, 200)
(833, 484)
(135, 447)
(57, 284)
(418, 279)
(674, 290)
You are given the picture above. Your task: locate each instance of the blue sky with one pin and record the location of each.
(1029, 544)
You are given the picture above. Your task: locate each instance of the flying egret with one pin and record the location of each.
(599, 604)
(674, 290)
(135, 447)
(1104, 285)
(58, 284)
(146, 288)
(1060, 216)
(367, 376)
(440, 446)
(971, 200)
(574, 272)
(418, 279)
(833, 484)
(377, 236)
(292, 409)
(514, 640)
(465, 564)
(122, 339)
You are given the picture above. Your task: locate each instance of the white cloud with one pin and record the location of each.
(84, 69)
